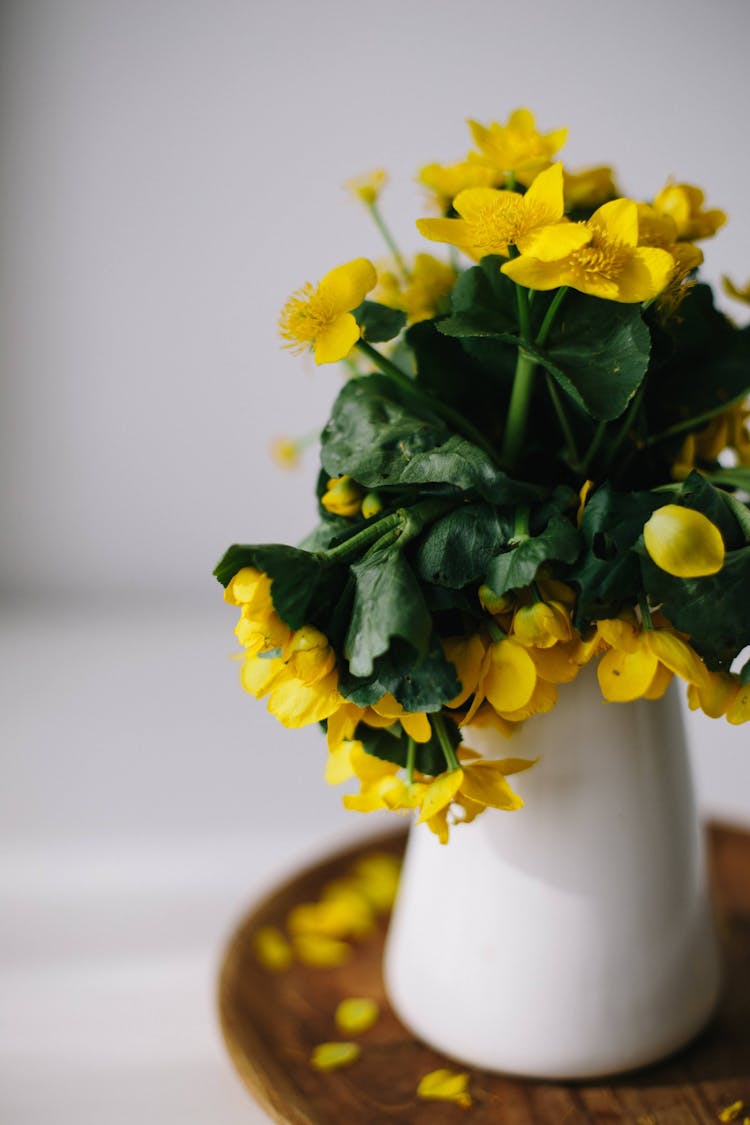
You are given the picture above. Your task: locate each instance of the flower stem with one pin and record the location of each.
(411, 753)
(363, 538)
(518, 410)
(438, 725)
(389, 240)
(593, 448)
(645, 612)
(694, 423)
(441, 409)
(570, 441)
(549, 316)
(622, 433)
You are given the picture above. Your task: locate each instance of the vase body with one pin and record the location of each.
(574, 937)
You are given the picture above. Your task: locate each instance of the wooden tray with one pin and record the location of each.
(271, 1022)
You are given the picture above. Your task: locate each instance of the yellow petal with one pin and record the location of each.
(551, 243)
(258, 674)
(457, 232)
(446, 1086)
(297, 704)
(617, 221)
(485, 783)
(714, 695)
(377, 875)
(739, 709)
(511, 677)
(676, 655)
(684, 542)
(336, 341)
(417, 726)
(645, 273)
(356, 1014)
(466, 655)
(661, 681)
(339, 764)
(347, 286)
(624, 676)
(535, 274)
(272, 949)
(440, 793)
(343, 723)
(335, 918)
(545, 195)
(331, 1056)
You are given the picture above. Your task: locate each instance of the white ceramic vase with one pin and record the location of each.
(573, 938)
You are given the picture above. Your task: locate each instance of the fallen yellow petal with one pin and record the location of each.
(334, 918)
(445, 1086)
(377, 875)
(684, 542)
(272, 949)
(321, 952)
(356, 1014)
(731, 1112)
(330, 1056)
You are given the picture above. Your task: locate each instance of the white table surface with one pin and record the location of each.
(146, 803)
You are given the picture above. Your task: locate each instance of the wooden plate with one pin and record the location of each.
(272, 1021)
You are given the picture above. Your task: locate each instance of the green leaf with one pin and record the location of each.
(697, 492)
(608, 574)
(424, 685)
(375, 437)
(304, 587)
(391, 745)
(378, 322)
(598, 352)
(714, 611)
(738, 477)
(388, 603)
(559, 542)
(456, 550)
(483, 304)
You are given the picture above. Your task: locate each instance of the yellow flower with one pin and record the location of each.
(356, 1014)
(517, 148)
(285, 452)
(372, 505)
(481, 782)
(735, 291)
(430, 281)
(368, 187)
(445, 1086)
(639, 664)
(684, 542)
(320, 318)
(388, 711)
(342, 497)
(259, 628)
(588, 187)
(542, 625)
(302, 682)
(445, 181)
(507, 678)
(272, 949)
(491, 220)
(334, 918)
(715, 695)
(684, 204)
(331, 1056)
(610, 264)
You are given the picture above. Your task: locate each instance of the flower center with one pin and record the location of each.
(600, 260)
(306, 315)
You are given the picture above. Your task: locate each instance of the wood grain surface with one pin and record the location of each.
(272, 1021)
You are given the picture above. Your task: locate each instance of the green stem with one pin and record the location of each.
(622, 433)
(518, 410)
(645, 612)
(496, 633)
(570, 441)
(438, 725)
(694, 423)
(441, 409)
(520, 524)
(593, 449)
(389, 240)
(549, 316)
(363, 538)
(524, 318)
(411, 753)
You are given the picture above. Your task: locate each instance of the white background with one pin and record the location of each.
(170, 172)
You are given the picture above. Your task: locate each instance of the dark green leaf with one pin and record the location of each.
(392, 745)
(456, 550)
(559, 542)
(388, 603)
(304, 588)
(598, 352)
(417, 685)
(697, 492)
(378, 322)
(483, 304)
(375, 437)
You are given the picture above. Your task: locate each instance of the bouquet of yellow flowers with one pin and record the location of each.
(540, 459)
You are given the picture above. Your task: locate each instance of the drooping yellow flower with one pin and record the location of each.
(610, 264)
(259, 628)
(430, 282)
(445, 1086)
(445, 181)
(732, 290)
(684, 542)
(491, 220)
(684, 204)
(302, 683)
(356, 1014)
(517, 148)
(715, 695)
(542, 624)
(480, 782)
(589, 187)
(342, 497)
(332, 1056)
(640, 663)
(507, 678)
(368, 186)
(321, 317)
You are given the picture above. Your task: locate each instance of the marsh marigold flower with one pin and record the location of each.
(342, 497)
(445, 181)
(610, 264)
(517, 148)
(430, 282)
(321, 318)
(368, 187)
(588, 187)
(684, 542)
(684, 204)
(491, 221)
